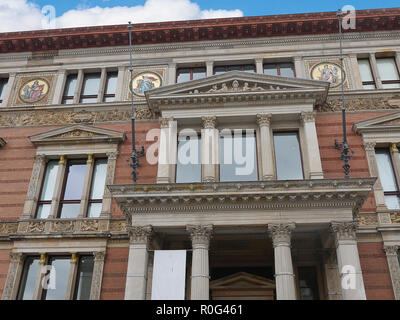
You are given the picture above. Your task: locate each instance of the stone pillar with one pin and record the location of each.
(55, 201)
(87, 182)
(209, 68)
(136, 276)
(32, 197)
(259, 65)
(310, 135)
(102, 85)
(78, 88)
(352, 282)
(97, 278)
(266, 150)
(284, 276)
(394, 268)
(332, 277)
(299, 68)
(200, 236)
(120, 84)
(168, 149)
(9, 90)
(375, 72)
(73, 270)
(59, 88)
(209, 149)
(356, 71)
(171, 73)
(107, 198)
(13, 276)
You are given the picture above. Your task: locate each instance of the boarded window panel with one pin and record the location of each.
(287, 156)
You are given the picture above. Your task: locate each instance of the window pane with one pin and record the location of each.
(390, 85)
(99, 179)
(49, 180)
(387, 69)
(238, 159)
(270, 69)
(94, 210)
(69, 210)
(84, 278)
(70, 85)
(249, 68)
(368, 86)
(286, 70)
(75, 176)
(199, 73)
(386, 173)
(308, 283)
(60, 270)
(365, 70)
(3, 86)
(28, 279)
(91, 84)
(183, 75)
(287, 156)
(219, 70)
(111, 85)
(188, 168)
(43, 211)
(234, 68)
(392, 202)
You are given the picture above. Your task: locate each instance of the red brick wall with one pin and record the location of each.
(4, 264)
(377, 282)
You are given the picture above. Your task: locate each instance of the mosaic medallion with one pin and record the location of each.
(145, 81)
(328, 71)
(34, 90)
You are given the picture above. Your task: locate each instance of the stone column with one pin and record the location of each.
(284, 276)
(55, 201)
(375, 72)
(136, 276)
(310, 135)
(97, 278)
(209, 68)
(107, 198)
(356, 71)
(299, 68)
(267, 160)
(9, 90)
(259, 65)
(209, 149)
(120, 84)
(72, 276)
(171, 73)
(87, 182)
(59, 88)
(352, 282)
(32, 197)
(13, 276)
(168, 149)
(394, 268)
(200, 236)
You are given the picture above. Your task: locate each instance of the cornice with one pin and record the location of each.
(196, 30)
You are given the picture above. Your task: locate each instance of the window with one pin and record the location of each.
(60, 266)
(366, 74)
(84, 278)
(280, 69)
(188, 168)
(97, 189)
(28, 279)
(90, 87)
(3, 87)
(238, 155)
(388, 178)
(308, 283)
(240, 67)
(46, 194)
(111, 87)
(69, 91)
(187, 74)
(288, 156)
(388, 70)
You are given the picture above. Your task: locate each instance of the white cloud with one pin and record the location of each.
(17, 15)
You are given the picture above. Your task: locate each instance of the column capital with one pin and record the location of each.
(139, 234)
(369, 145)
(344, 230)
(40, 158)
(209, 122)
(164, 122)
(112, 155)
(307, 116)
(391, 250)
(99, 255)
(15, 257)
(200, 234)
(281, 232)
(264, 119)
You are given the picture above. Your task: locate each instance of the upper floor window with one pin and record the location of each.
(240, 67)
(90, 87)
(389, 72)
(284, 69)
(3, 87)
(188, 168)
(69, 90)
(111, 87)
(187, 74)
(367, 77)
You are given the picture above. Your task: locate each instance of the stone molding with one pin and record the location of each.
(200, 234)
(281, 233)
(345, 230)
(140, 234)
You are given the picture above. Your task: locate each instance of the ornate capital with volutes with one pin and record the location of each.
(307, 116)
(391, 250)
(209, 122)
(200, 234)
(16, 257)
(369, 145)
(164, 122)
(139, 234)
(281, 233)
(99, 255)
(40, 158)
(345, 230)
(112, 155)
(264, 119)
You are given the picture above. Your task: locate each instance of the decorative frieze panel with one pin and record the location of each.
(359, 104)
(368, 219)
(8, 228)
(395, 217)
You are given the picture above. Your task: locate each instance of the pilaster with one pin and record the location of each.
(13, 276)
(392, 256)
(209, 149)
(107, 198)
(97, 278)
(266, 149)
(167, 151)
(59, 89)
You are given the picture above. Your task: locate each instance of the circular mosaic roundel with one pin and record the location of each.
(145, 81)
(34, 90)
(328, 71)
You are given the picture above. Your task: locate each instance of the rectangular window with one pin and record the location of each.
(238, 155)
(388, 178)
(46, 194)
(60, 267)
(84, 278)
(28, 279)
(111, 87)
(366, 74)
(69, 90)
(188, 167)
(239, 67)
(3, 87)
(90, 87)
(97, 188)
(288, 156)
(187, 74)
(284, 69)
(308, 283)
(389, 72)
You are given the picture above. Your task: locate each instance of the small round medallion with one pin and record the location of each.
(145, 81)
(34, 90)
(328, 71)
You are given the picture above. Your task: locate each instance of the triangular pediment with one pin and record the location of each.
(387, 121)
(242, 280)
(78, 133)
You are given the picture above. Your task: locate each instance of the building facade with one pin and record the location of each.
(289, 226)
